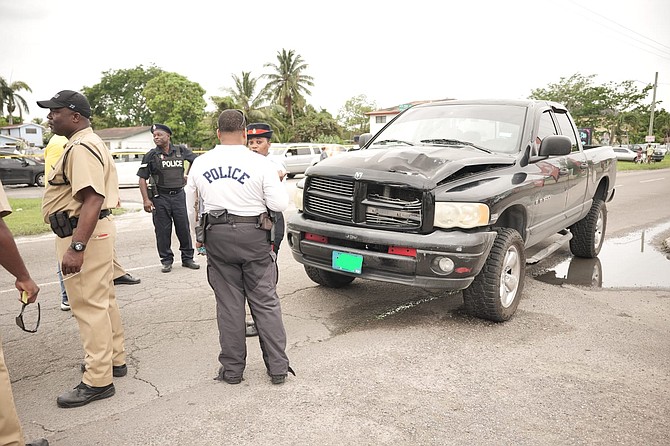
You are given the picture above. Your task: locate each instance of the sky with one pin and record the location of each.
(391, 52)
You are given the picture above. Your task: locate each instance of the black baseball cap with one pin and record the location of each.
(69, 99)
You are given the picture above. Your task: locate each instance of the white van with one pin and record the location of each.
(297, 157)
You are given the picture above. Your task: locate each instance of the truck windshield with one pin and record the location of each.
(496, 128)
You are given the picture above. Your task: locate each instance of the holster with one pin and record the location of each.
(200, 229)
(61, 224)
(264, 222)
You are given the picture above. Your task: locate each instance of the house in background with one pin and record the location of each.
(30, 132)
(139, 139)
(379, 118)
(9, 143)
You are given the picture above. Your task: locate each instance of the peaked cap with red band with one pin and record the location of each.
(259, 129)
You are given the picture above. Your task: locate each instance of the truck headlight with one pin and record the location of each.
(461, 215)
(297, 196)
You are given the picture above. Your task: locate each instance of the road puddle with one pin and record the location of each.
(631, 261)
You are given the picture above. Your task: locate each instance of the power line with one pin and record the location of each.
(627, 29)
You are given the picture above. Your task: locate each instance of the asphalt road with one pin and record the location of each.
(376, 364)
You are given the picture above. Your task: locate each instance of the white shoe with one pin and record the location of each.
(65, 305)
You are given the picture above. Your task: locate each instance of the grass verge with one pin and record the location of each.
(630, 165)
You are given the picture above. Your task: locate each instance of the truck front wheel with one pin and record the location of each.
(496, 291)
(327, 278)
(588, 233)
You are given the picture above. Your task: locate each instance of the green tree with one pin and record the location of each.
(255, 105)
(12, 100)
(288, 83)
(118, 99)
(176, 102)
(597, 106)
(352, 114)
(313, 126)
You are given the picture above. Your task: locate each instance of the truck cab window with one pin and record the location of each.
(567, 129)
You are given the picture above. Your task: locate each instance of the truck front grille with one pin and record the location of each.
(363, 204)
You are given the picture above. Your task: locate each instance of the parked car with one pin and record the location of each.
(624, 154)
(659, 153)
(17, 169)
(297, 157)
(127, 163)
(331, 150)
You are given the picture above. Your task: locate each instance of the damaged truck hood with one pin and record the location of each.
(421, 167)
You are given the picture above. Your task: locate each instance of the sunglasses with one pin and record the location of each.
(244, 119)
(22, 325)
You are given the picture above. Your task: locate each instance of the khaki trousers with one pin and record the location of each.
(10, 428)
(93, 304)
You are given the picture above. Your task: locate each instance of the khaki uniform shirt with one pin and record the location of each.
(5, 208)
(81, 168)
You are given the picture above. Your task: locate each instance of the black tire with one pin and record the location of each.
(290, 175)
(588, 233)
(327, 278)
(39, 179)
(496, 291)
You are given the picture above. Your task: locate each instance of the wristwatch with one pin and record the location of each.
(78, 246)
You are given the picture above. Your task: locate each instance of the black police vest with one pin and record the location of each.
(169, 169)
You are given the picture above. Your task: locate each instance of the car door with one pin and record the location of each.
(577, 165)
(16, 171)
(305, 158)
(550, 175)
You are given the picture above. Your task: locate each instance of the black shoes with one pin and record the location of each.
(126, 279)
(167, 267)
(278, 379)
(118, 371)
(221, 376)
(40, 442)
(190, 264)
(84, 394)
(251, 330)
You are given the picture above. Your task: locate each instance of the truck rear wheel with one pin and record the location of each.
(588, 233)
(328, 278)
(496, 291)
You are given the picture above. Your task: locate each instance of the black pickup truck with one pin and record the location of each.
(450, 195)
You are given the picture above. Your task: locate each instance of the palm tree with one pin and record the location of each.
(245, 98)
(12, 99)
(287, 85)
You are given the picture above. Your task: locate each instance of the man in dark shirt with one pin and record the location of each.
(164, 196)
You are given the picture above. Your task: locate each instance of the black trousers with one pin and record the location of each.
(279, 231)
(169, 209)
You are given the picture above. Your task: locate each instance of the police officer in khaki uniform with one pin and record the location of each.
(83, 188)
(10, 428)
(163, 166)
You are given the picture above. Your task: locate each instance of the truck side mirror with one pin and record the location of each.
(555, 145)
(363, 139)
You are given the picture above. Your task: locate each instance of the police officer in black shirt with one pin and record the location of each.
(163, 167)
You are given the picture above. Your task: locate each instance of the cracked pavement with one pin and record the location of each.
(376, 364)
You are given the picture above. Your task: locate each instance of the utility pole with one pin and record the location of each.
(653, 106)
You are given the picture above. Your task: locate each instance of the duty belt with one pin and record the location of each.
(164, 191)
(103, 213)
(231, 219)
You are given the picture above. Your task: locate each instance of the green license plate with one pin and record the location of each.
(344, 261)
